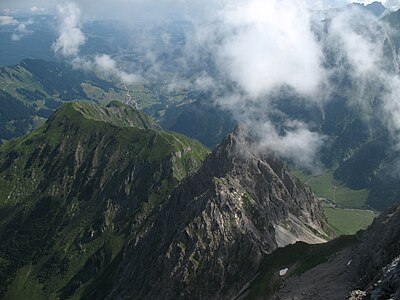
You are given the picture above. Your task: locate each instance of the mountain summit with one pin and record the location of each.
(73, 190)
(210, 238)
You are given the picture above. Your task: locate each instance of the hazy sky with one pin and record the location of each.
(103, 8)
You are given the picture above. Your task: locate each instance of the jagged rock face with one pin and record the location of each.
(209, 239)
(377, 257)
(387, 283)
(379, 245)
(366, 268)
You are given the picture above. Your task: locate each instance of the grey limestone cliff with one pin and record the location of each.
(210, 237)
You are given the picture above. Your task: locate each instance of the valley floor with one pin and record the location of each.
(345, 208)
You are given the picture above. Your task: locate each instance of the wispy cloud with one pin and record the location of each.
(107, 65)
(366, 44)
(20, 28)
(246, 52)
(36, 9)
(7, 21)
(70, 40)
(261, 48)
(71, 37)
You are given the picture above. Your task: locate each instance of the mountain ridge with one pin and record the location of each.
(240, 205)
(72, 190)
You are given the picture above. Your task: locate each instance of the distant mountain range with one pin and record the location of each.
(375, 8)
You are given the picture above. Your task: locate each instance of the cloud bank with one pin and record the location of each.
(261, 48)
(256, 50)
(268, 44)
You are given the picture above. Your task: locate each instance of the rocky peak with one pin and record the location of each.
(240, 205)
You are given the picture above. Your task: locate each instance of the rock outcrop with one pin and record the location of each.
(210, 238)
(377, 257)
(367, 268)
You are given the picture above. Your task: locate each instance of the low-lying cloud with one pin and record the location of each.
(256, 49)
(7, 21)
(261, 48)
(22, 30)
(19, 28)
(71, 38)
(36, 9)
(297, 143)
(107, 65)
(268, 44)
(366, 43)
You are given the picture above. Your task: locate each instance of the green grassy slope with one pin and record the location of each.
(325, 186)
(72, 191)
(33, 89)
(348, 221)
(345, 208)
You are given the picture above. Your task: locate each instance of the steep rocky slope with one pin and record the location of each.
(210, 238)
(72, 192)
(367, 266)
(100, 202)
(377, 259)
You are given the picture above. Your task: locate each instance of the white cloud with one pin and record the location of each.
(20, 28)
(362, 40)
(204, 82)
(109, 66)
(36, 9)
(392, 4)
(259, 47)
(326, 4)
(71, 37)
(7, 21)
(392, 105)
(15, 37)
(70, 40)
(271, 45)
(359, 37)
(297, 144)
